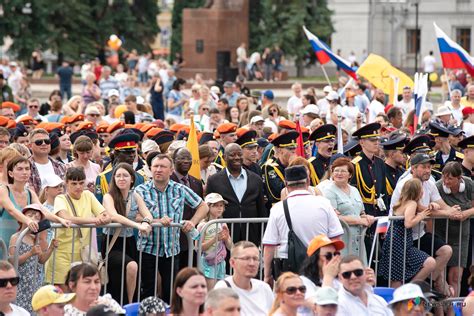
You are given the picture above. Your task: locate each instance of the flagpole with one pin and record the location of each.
(325, 74)
(447, 80)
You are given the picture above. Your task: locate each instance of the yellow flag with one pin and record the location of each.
(193, 147)
(378, 71)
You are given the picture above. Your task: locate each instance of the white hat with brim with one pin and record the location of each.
(310, 109)
(332, 96)
(256, 119)
(324, 296)
(443, 110)
(327, 89)
(214, 198)
(407, 292)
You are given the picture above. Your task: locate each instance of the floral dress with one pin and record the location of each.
(30, 272)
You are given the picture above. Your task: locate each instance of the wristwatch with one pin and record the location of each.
(146, 220)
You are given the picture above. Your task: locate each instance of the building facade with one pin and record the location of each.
(388, 28)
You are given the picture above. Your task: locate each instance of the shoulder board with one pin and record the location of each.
(103, 173)
(356, 159)
(436, 171)
(459, 155)
(311, 159)
(217, 165)
(268, 162)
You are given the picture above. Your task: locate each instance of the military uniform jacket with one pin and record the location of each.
(467, 173)
(369, 179)
(318, 166)
(391, 178)
(453, 156)
(102, 182)
(254, 167)
(274, 179)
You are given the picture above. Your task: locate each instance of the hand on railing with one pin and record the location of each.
(32, 225)
(187, 226)
(425, 214)
(165, 221)
(65, 222)
(145, 229)
(367, 220)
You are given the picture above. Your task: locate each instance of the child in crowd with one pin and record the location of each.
(33, 253)
(216, 241)
(53, 186)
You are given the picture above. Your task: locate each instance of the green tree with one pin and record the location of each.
(76, 28)
(177, 22)
(282, 22)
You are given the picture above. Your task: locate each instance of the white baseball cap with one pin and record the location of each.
(51, 181)
(406, 292)
(310, 108)
(140, 100)
(214, 198)
(332, 96)
(113, 92)
(327, 89)
(324, 296)
(256, 119)
(150, 145)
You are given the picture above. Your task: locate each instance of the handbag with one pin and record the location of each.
(217, 256)
(296, 248)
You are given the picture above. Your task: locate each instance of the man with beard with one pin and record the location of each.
(226, 134)
(248, 142)
(325, 139)
(182, 163)
(123, 148)
(274, 168)
(243, 190)
(395, 161)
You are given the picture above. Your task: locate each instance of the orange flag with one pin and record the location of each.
(193, 146)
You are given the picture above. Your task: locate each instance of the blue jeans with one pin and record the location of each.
(65, 91)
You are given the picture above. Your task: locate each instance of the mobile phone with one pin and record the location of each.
(43, 225)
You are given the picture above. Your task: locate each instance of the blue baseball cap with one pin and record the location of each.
(269, 94)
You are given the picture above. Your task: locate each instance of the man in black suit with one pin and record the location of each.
(182, 163)
(243, 190)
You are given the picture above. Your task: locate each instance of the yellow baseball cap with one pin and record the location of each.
(48, 295)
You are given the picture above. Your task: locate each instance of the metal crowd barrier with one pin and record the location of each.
(430, 228)
(140, 274)
(262, 222)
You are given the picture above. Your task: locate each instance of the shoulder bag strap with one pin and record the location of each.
(287, 214)
(118, 230)
(69, 201)
(227, 283)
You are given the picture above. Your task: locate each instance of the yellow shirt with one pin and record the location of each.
(465, 102)
(86, 207)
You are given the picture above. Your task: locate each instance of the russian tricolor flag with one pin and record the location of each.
(452, 54)
(382, 225)
(324, 54)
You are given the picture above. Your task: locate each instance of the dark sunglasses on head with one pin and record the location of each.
(13, 281)
(292, 289)
(357, 272)
(40, 142)
(329, 255)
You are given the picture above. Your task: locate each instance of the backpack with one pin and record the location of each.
(296, 248)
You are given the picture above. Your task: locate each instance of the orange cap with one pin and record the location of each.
(8, 104)
(272, 137)
(85, 126)
(226, 128)
(27, 120)
(321, 241)
(304, 129)
(115, 126)
(241, 131)
(153, 131)
(65, 119)
(11, 124)
(176, 127)
(76, 118)
(139, 125)
(49, 126)
(102, 128)
(146, 127)
(42, 125)
(287, 124)
(4, 121)
(129, 126)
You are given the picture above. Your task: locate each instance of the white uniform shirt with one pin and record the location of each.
(349, 304)
(257, 301)
(310, 216)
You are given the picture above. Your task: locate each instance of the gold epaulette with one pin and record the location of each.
(311, 159)
(459, 155)
(356, 159)
(218, 166)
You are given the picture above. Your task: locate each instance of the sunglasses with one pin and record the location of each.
(357, 272)
(13, 281)
(40, 142)
(94, 115)
(292, 290)
(412, 303)
(33, 106)
(329, 255)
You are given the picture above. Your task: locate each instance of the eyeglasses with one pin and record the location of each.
(13, 281)
(329, 255)
(257, 259)
(4, 142)
(205, 109)
(40, 142)
(33, 106)
(292, 290)
(357, 272)
(94, 115)
(340, 171)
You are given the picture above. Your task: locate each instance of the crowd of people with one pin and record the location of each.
(117, 153)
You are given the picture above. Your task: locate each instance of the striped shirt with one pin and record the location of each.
(165, 241)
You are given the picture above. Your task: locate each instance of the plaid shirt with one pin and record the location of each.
(171, 203)
(35, 179)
